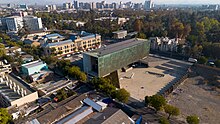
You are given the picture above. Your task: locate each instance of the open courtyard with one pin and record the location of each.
(142, 81)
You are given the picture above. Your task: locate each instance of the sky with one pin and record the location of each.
(40, 2)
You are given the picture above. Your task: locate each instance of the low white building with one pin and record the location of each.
(164, 44)
(120, 34)
(14, 92)
(80, 24)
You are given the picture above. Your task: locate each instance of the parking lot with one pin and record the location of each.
(142, 81)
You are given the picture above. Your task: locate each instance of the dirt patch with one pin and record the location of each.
(198, 97)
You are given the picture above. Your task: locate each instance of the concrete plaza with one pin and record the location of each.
(140, 81)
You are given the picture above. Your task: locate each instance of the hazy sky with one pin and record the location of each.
(109, 1)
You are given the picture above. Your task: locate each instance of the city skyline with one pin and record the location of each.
(42, 2)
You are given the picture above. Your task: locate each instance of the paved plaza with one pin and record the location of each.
(141, 82)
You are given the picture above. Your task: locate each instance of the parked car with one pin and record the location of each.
(192, 60)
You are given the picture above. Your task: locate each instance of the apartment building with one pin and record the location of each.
(87, 42)
(14, 23)
(165, 44)
(60, 48)
(33, 23)
(69, 46)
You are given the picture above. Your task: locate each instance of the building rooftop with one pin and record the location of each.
(120, 31)
(76, 116)
(115, 47)
(51, 36)
(93, 104)
(108, 116)
(13, 17)
(89, 36)
(9, 93)
(59, 43)
(62, 111)
(33, 64)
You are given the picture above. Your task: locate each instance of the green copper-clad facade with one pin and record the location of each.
(108, 59)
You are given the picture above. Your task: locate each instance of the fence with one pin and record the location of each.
(165, 91)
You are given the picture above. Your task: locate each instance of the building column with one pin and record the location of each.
(18, 90)
(1, 79)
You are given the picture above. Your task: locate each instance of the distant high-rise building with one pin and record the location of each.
(87, 6)
(81, 4)
(121, 4)
(213, 7)
(99, 5)
(51, 8)
(19, 13)
(14, 23)
(3, 25)
(23, 7)
(67, 6)
(75, 4)
(115, 5)
(33, 23)
(148, 4)
(137, 6)
(93, 4)
(9, 5)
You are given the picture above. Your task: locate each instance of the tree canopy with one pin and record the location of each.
(2, 50)
(192, 119)
(5, 117)
(156, 101)
(171, 110)
(107, 87)
(76, 73)
(122, 95)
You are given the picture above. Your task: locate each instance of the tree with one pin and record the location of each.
(76, 73)
(187, 30)
(156, 101)
(61, 95)
(171, 110)
(122, 95)
(202, 60)
(141, 35)
(217, 63)
(5, 117)
(192, 119)
(49, 59)
(163, 120)
(4, 36)
(105, 85)
(200, 32)
(2, 50)
(138, 24)
(147, 101)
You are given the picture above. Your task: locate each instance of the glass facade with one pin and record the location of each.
(115, 57)
(116, 60)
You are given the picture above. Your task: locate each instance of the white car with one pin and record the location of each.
(192, 60)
